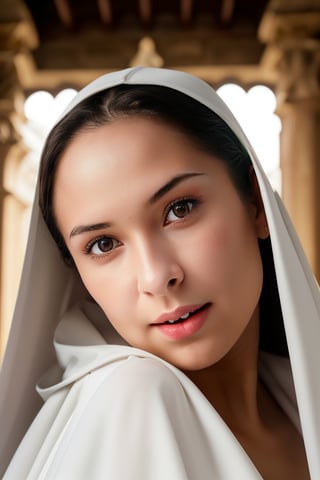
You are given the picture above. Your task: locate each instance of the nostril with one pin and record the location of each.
(172, 282)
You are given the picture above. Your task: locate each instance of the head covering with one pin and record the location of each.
(48, 288)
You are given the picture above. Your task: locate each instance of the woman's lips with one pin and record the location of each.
(184, 328)
(177, 313)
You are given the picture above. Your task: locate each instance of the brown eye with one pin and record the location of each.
(105, 244)
(180, 209)
(102, 245)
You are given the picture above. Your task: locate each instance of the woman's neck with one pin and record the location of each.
(231, 385)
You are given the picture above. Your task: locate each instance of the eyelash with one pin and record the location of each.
(185, 200)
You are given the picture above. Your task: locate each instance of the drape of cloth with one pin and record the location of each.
(119, 412)
(112, 411)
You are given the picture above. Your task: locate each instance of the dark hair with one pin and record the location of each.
(209, 132)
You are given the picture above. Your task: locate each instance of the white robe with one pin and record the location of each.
(112, 411)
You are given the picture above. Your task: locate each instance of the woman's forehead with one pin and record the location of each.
(130, 159)
(122, 147)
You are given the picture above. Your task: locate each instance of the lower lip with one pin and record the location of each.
(179, 331)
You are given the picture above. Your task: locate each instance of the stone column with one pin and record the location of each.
(17, 35)
(299, 109)
(290, 29)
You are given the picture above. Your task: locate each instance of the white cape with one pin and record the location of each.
(112, 411)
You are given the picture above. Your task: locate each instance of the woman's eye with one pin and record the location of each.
(179, 210)
(102, 245)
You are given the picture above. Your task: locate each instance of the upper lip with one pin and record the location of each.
(177, 313)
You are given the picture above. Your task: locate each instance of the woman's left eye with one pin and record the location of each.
(180, 209)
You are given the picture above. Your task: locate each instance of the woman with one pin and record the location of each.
(188, 349)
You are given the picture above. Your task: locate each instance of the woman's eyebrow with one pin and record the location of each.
(88, 228)
(171, 184)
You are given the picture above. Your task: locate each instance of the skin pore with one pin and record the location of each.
(154, 224)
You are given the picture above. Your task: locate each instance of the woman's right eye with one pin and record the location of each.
(101, 245)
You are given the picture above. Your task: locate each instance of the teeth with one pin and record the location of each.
(183, 317)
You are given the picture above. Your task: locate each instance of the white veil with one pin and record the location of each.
(47, 287)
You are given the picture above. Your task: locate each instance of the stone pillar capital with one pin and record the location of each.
(299, 71)
(285, 19)
(290, 30)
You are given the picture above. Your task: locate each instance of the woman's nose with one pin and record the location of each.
(159, 270)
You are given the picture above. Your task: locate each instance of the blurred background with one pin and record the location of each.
(262, 56)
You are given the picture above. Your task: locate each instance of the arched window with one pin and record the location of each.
(255, 110)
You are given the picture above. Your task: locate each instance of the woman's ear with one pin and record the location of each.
(259, 216)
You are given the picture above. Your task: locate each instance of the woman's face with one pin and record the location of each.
(159, 234)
